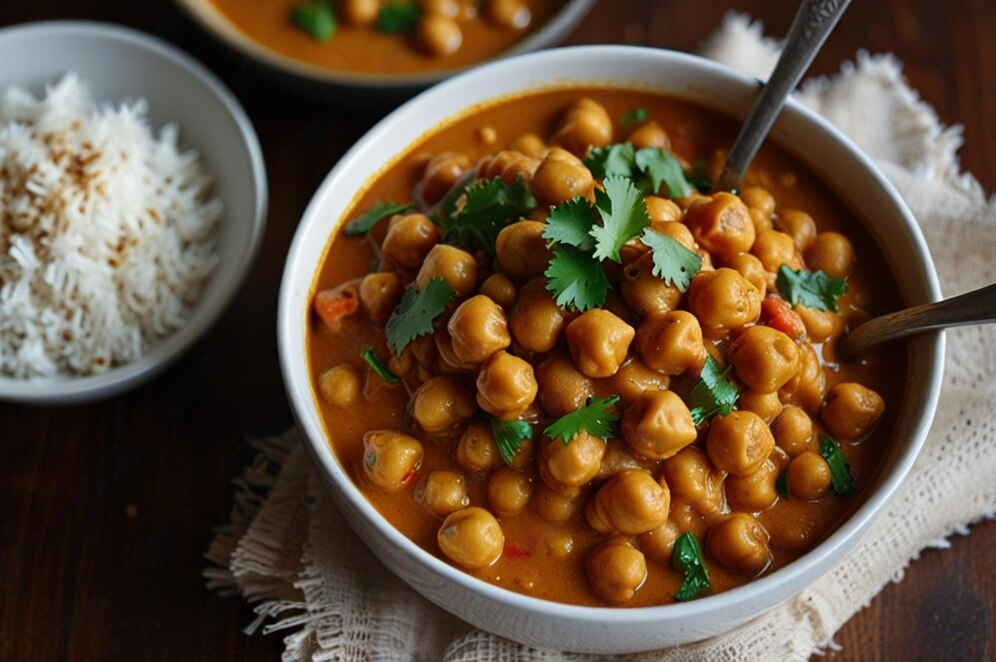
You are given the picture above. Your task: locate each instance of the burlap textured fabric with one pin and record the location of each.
(288, 549)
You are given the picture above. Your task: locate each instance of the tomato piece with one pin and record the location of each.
(338, 303)
(515, 552)
(776, 313)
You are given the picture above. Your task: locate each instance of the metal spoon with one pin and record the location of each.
(975, 307)
(813, 22)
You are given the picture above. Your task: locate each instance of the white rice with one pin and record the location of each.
(107, 232)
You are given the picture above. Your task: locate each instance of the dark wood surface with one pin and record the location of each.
(106, 509)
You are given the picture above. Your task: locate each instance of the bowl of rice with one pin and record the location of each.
(132, 204)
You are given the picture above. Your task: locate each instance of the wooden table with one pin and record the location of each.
(106, 509)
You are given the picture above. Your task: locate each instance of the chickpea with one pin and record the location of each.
(807, 388)
(658, 545)
(758, 198)
(442, 172)
(750, 268)
(585, 124)
(522, 249)
(442, 492)
(765, 358)
(632, 502)
(565, 467)
(500, 289)
(390, 459)
(649, 134)
(793, 431)
(739, 543)
(509, 165)
(691, 476)
(672, 342)
(658, 425)
(359, 12)
(599, 341)
(340, 386)
(449, 8)
(633, 379)
(476, 452)
(509, 491)
(556, 507)
(616, 571)
(537, 322)
(513, 14)
(739, 443)
(799, 225)
(562, 389)
(721, 225)
(456, 266)
(409, 239)
(438, 35)
(661, 210)
(559, 179)
(851, 410)
(442, 403)
(831, 252)
(403, 366)
(723, 300)
(506, 385)
(618, 458)
(808, 476)
(478, 329)
(646, 293)
(379, 295)
(529, 144)
(774, 249)
(471, 537)
(755, 492)
(820, 325)
(765, 405)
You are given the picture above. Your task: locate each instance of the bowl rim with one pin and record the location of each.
(296, 379)
(68, 389)
(217, 24)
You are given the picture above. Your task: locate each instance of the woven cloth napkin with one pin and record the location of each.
(287, 548)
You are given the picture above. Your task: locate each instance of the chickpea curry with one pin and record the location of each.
(549, 355)
(387, 37)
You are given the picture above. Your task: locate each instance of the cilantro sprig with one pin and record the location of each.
(638, 114)
(624, 216)
(416, 312)
(687, 558)
(380, 210)
(595, 417)
(316, 18)
(397, 16)
(649, 168)
(576, 279)
(488, 207)
(813, 289)
(840, 471)
(713, 394)
(673, 263)
(509, 436)
(378, 366)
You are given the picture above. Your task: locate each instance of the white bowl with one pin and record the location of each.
(117, 64)
(605, 630)
(362, 88)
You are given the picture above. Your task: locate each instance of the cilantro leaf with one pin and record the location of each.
(687, 558)
(840, 471)
(673, 263)
(489, 206)
(781, 485)
(316, 18)
(618, 160)
(699, 177)
(663, 168)
(380, 210)
(570, 223)
(624, 216)
(397, 16)
(415, 313)
(378, 366)
(576, 279)
(594, 418)
(713, 394)
(813, 289)
(509, 436)
(634, 116)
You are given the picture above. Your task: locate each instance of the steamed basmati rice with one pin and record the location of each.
(107, 232)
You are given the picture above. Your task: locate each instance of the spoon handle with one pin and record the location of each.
(975, 307)
(813, 22)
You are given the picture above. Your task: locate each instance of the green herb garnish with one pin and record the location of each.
(673, 263)
(595, 418)
(663, 168)
(415, 313)
(840, 471)
(397, 16)
(509, 436)
(624, 216)
(378, 366)
(687, 558)
(699, 179)
(380, 210)
(649, 168)
(316, 18)
(714, 394)
(570, 223)
(489, 206)
(618, 160)
(634, 116)
(782, 486)
(813, 289)
(576, 279)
